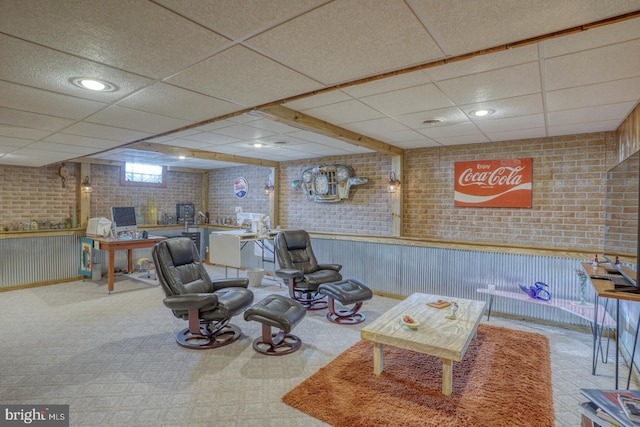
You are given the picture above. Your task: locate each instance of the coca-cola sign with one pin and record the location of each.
(494, 183)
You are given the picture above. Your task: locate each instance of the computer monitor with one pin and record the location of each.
(124, 219)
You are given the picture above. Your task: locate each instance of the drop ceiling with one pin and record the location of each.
(193, 76)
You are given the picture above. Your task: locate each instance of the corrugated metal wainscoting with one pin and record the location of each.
(38, 259)
(403, 270)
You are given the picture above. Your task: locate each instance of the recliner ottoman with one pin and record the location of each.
(279, 312)
(347, 291)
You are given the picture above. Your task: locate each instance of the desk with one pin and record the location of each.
(603, 289)
(436, 335)
(225, 247)
(111, 245)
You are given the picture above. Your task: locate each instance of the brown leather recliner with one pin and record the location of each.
(300, 269)
(192, 295)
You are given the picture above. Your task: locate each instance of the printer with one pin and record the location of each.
(98, 227)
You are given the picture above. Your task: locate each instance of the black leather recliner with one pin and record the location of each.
(300, 269)
(192, 295)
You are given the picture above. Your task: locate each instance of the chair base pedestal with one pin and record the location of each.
(276, 344)
(311, 300)
(202, 341)
(345, 316)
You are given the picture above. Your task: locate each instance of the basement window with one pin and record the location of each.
(143, 174)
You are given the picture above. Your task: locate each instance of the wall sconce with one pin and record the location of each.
(86, 185)
(394, 183)
(268, 187)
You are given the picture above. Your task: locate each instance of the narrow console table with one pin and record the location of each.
(111, 245)
(606, 289)
(596, 314)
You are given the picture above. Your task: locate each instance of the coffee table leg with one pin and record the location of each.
(447, 372)
(378, 362)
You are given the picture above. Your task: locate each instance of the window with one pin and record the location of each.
(143, 174)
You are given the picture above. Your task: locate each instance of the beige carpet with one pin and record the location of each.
(503, 380)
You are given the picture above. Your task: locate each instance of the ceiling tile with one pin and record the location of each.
(469, 26)
(45, 102)
(32, 120)
(597, 94)
(185, 105)
(483, 63)
(320, 100)
(381, 38)
(424, 142)
(76, 150)
(243, 132)
(578, 128)
(593, 38)
(495, 84)
(239, 19)
(135, 120)
(106, 132)
(515, 135)
(83, 141)
(409, 100)
(33, 65)
(243, 77)
(22, 132)
(450, 116)
(211, 138)
(459, 129)
(590, 114)
(135, 33)
(344, 112)
(509, 107)
(593, 66)
(7, 141)
(378, 86)
(462, 140)
(511, 123)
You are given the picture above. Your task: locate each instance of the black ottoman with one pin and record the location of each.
(347, 291)
(279, 312)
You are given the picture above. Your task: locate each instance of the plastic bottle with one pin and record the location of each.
(595, 261)
(617, 260)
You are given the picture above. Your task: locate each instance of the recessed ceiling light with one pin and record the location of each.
(181, 157)
(257, 145)
(481, 113)
(93, 84)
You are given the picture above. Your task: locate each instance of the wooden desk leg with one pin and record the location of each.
(378, 359)
(447, 373)
(110, 272)
(130, 259)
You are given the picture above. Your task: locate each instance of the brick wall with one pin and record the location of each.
(568, 194)
(367, 211)
(222, 200)
(37, 193)
(28, 194)
(569, 175)
(182, 187)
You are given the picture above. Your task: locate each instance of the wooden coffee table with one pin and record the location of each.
(436, 335)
